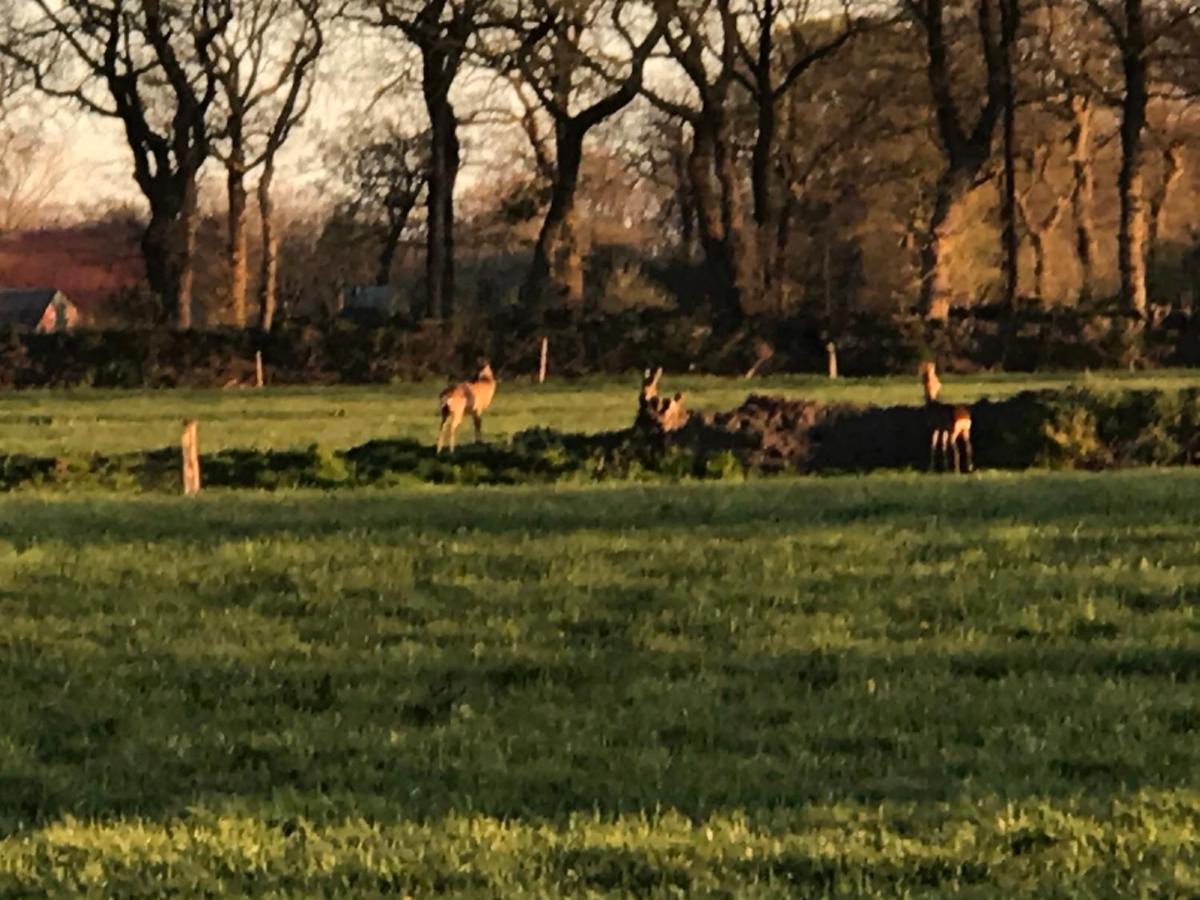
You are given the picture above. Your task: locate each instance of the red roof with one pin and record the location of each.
(88, 263)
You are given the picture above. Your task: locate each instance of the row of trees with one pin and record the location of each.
(753, 116)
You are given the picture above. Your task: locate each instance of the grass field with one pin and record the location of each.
(895, 685)
(74, 422)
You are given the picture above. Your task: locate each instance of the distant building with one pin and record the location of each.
(37, 309)
(88, 263)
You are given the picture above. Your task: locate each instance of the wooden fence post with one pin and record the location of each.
(831, 351)
(545, 358)
(191, 458)
(258, 369)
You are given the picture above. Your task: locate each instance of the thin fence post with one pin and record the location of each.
(831, 352)
(191, 458)
(544, 360)
(258, 369)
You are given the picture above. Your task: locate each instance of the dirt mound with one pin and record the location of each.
(777, 434)
(769, 433)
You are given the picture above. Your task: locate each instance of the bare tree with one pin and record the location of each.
(584, 62)
(657, 153)
(966, 144)
(1136, 30)
(1173, 156)
(705, 52)
(150, 66)
(383, 174)
(733, 54)
(1127, 28)
(31, 166)
(266, 64)
(1040, 215)
(442, 31)
(775, 43)
(1078, 85)
(12, 76)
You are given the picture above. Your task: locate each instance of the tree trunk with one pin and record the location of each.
(557, 264)
(236, 185)
(168, 244)
(269, 268)
(740, 251)
(185, 261)
(387, 255)
(685, 202)
(443, 172)
(1172, 174)
(156, 242)
(1083, 192)
(710, 217)
(936, 290)
(761, 158)
(1008, 197)
(783, 239)
(1038, 229)
(700, 167)
(1131, 230)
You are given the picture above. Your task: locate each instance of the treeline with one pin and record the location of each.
(722, 160)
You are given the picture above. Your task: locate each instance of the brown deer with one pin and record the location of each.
(658, 413)
(948, 424)
(456, 401)
(670, 414)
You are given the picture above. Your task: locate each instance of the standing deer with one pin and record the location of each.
(947, 424)
(456, 401)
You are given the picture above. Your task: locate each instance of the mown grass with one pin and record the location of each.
(89, 421)
(882, 686)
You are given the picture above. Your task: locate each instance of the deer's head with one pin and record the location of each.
(650, 385)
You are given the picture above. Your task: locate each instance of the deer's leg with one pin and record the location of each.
(453, 420)
(441, 433)
(953, 442)
(933, 445)
(967, 447)
(478, 427)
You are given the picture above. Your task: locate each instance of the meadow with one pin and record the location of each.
(894, 685)
(92, 421)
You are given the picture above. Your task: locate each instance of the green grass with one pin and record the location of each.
(896, 685)
(73, 422)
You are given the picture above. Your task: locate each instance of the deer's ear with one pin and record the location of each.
(657, 374)
(679, 397)
(647, 375)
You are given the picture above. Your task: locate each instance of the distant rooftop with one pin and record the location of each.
(26, 307)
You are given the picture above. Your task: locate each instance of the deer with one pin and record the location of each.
(669, 413)
(948, 424)
(456, 401)
(655, 412)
